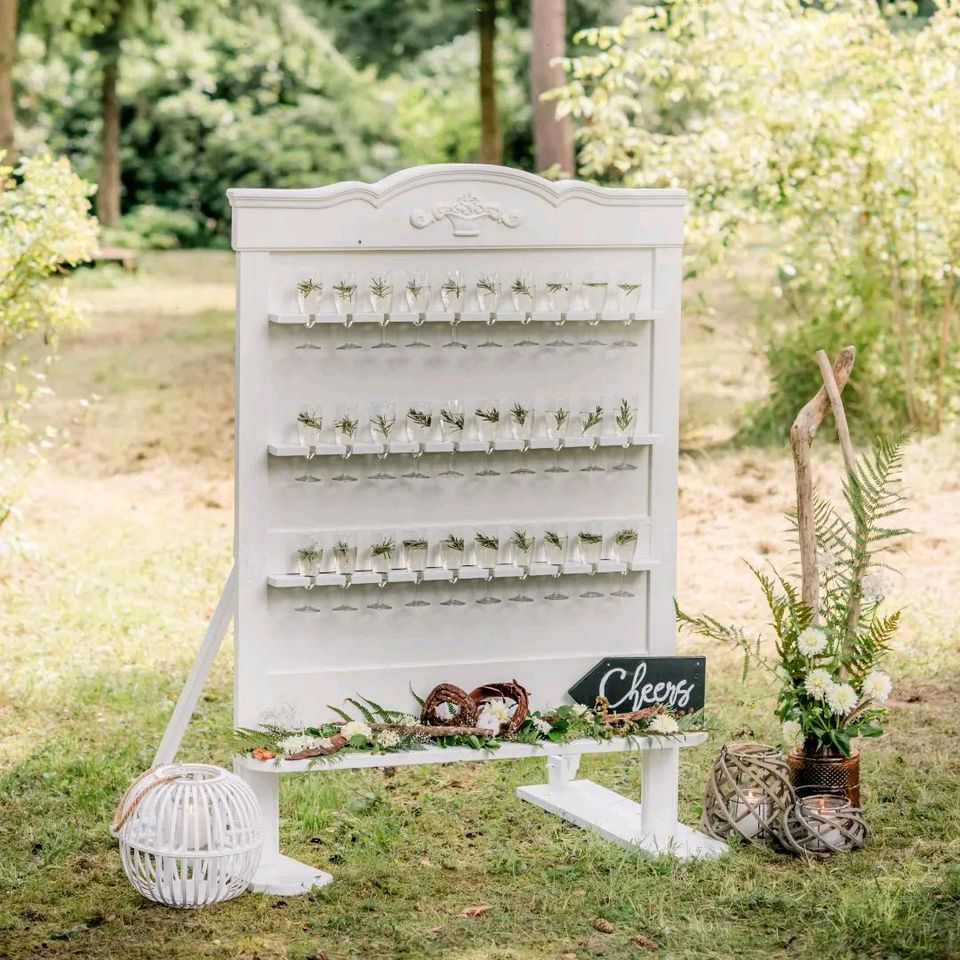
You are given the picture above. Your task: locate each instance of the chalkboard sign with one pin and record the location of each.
(633, 683)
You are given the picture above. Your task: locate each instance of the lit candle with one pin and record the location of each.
(824, 805)
(750, 813)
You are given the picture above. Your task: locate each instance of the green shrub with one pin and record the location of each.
(149, 227)
(44, 226)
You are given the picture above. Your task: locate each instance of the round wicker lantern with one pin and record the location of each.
(822, 824)
(188, 834)
(748, 791)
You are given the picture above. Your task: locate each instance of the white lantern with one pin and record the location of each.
(189, 834)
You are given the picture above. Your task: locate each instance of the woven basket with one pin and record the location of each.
(188, 834)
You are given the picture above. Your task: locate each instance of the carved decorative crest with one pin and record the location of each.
(463, 213)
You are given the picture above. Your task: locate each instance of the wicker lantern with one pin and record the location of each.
(821, 824)
(748, 791)
(188, 834)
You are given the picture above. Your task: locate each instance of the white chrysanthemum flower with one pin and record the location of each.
(664, 723)
(499, 709)
(841, 698)
(487, 721)
(542, 726)
(877, 686)
(579, 710)
(356, 728)
(387, 739)
(818, 682)
(812, 641)
(792, 734)
(873, 586)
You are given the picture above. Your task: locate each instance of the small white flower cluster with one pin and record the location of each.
(356, 728)
(579, 710)
(387, 739)
(494, 713)
(664, 723)
(812, 642)
(297, 743)
(543, 727)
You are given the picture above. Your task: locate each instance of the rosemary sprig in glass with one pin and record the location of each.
(384, 548)
(452, 418)
(490, 415)
(591, 419)
(486, 541)
(380, 286)
(624, 415)
(487, 285)
(415, 543)
(346, 425)
(521, 540)
(342, 549)
(453, 542)
(308, 286)
(625, 536)
(557, 287)
(519, 414)
(312, 554)
(309, 419)
(554, 539)
(454, 286)
(629, 288)
(420, 417)
(345, 290)
(560, 417)
(520, 288)
(382, 425)
(588, 536)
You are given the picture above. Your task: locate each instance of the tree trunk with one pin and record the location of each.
(552, 138)
(8, 56)
(491, 145)
(108, 189)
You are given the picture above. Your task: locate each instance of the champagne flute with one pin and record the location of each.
(625, 420)
(345, 428)
(488, 299)
(487, 416)
(559, 299)
(594, 300)
(416, 551)
(557, 421)
(382, 553)
(380, 289)
(345, 302)
(590, 546)
(383, 421)
(486, 546)
(523, 290)
(522, 544)
(522, 416)
(309, 564)
(418, 302)
(309, 431)
(345, 564)
(451, 552)
(591, 425)
(309, 294)
(419, 422)
(451, 429)
(624, 550)
(555, 543)
(629, 293)
(452, 293)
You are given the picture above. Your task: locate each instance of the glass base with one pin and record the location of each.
(556, 470)
(343, 607)
(527, 342)
(306, 608)
(307, 346)
(382, 475)
(622, 593)
(344, 478)
(487, 472)
(416, 344)
(593, 468)
(560, 343)
(626, 343)
(308, 478)
(591, 594)
(384, 346)
(452, 603)
(379, 605)
(456, 343)
(488, 600)
(417, 603)
(523, 470)
(625, 466)
(489, 343)
(556, 595)
(450, 473)
(521, 598)
(593, 342)
(349, 346)
(416, 475)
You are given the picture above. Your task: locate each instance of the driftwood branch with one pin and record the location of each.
(801, 440)
(839, 414)
(422, 730)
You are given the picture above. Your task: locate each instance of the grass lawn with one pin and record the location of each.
(125, 540)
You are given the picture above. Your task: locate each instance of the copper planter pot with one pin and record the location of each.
(810, 772)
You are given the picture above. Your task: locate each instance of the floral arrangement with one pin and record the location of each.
(379, 730)
(827, 660)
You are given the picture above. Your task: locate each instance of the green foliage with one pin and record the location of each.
(824, 125)
(45, 226)
(154, 228)
(847, 639)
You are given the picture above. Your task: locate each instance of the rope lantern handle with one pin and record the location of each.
(121, 816)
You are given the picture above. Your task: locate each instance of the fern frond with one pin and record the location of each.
(365, 711)
(342, 714)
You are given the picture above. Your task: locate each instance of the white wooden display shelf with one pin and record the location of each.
(506, 751)
(466, 316)
(464, 446)
(502, 570)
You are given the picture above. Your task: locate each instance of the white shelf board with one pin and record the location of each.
(467, 316)
(507, 751)
(446, 446)
(502, 570)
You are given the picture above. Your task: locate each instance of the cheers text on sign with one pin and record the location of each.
(632, 683)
